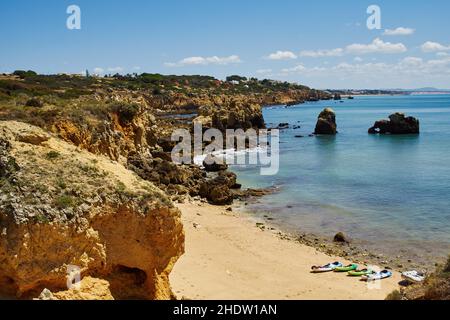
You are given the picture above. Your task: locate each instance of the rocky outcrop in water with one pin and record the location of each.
(340, 237)
(214, 166)
(398, 123)
(61, 206)
(326, 124)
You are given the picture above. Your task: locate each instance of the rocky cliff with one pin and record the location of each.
(61, 206)
(86, 177)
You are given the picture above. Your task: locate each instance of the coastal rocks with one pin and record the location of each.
(340, 238)
(218, 191)
(253, 193)
(235, 113)
(114, 137)
(326, 124)
(214, 166)
(283, 126)
(78, 209)
(204, 121)
(398, 123)
(294, 103)
(46, 295)
(214, 184)
(170, 177)
(87, 290)
(31, 135)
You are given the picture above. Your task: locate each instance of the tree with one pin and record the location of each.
(24, 74)
(236, 78)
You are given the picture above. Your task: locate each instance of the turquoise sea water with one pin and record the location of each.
(389, 192)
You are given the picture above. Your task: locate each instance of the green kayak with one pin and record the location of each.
(360, 273)
(350, 267)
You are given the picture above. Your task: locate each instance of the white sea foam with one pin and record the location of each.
(228, 155)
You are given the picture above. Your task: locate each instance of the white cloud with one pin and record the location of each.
(282, 55)
(400, 31)
(99, 70)
(204, 61)
(406, 69)
(297, 69)
(115, 69)
(377, 46)
(442, 54)
(431, 46)
(322, 53)
(358, 59)
(411, 65)
(264, 71)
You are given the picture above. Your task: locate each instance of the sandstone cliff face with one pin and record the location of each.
(148, 128)
(131, 119)
(61, 206)
(234, 114)
(113, 137)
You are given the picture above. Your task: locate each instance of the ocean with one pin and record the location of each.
(388, 193)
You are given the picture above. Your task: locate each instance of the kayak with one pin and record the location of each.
(350, 267)
(413, 276)
(360, 273)
(378, 276)
(326, 268)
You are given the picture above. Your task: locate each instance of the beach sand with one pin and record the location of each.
(229, 258)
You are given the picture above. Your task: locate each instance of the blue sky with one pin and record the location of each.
(323, 44)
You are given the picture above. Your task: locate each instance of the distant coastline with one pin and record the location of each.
(345, 93)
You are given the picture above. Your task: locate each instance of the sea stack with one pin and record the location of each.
(398, 123)
(326, 124)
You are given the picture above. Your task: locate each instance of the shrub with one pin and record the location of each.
(41, 218)
(12, 85)
(236, 78)
(65, 201)
(24, 74)
(126, 112)
(121, 188)
(34, 102)
(53, 155)
(61, 183)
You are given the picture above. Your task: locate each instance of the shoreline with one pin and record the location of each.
(230, 256)
(360, 251)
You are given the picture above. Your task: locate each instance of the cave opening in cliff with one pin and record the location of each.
(8, 286)
(128, 283)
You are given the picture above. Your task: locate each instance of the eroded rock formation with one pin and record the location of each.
(218, 190)
(233, 113)
(61, 206)
(326, 124)
(398, 123)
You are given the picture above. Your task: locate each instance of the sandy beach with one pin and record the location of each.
(229, 257)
